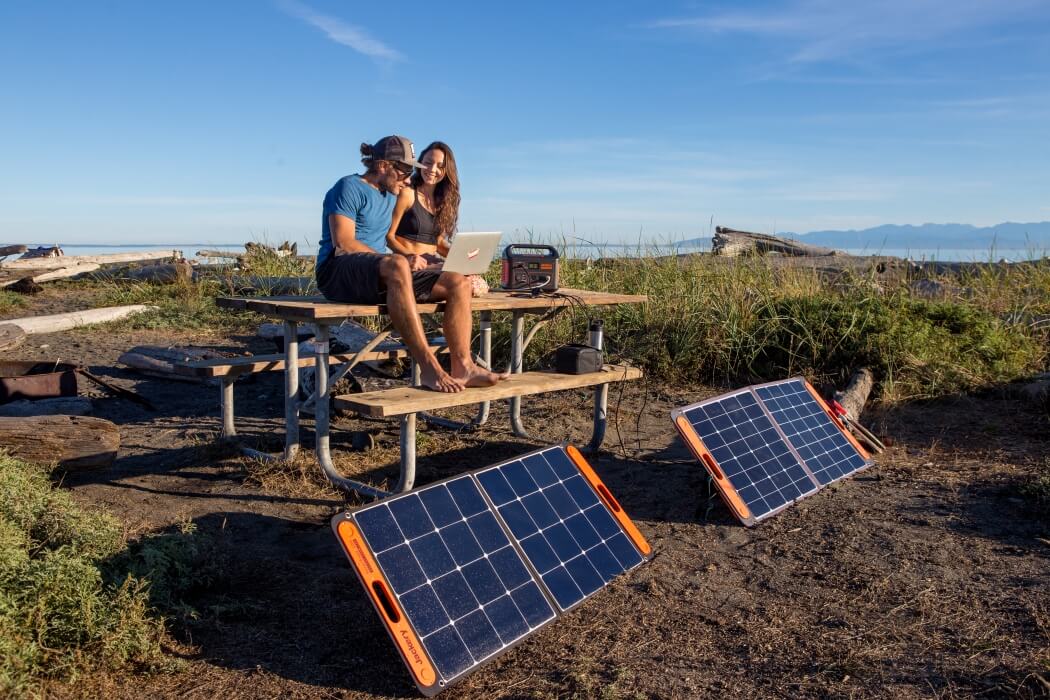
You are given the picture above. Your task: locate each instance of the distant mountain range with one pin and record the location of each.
(1001, 236)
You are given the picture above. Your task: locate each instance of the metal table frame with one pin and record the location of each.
(326, 380)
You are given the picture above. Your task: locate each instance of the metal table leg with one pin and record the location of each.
(408, 454)
(291, 390)
(601, 394)
(323, 425)
(229, 430)
(517, 352)
(485, 327)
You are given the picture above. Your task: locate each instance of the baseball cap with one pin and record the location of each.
(395, 148)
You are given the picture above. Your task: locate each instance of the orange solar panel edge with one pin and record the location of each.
(725, 487)
(614, 506)
(401, 632)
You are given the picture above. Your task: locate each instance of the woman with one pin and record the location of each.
(425, 215)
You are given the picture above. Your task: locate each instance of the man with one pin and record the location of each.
(350, 268)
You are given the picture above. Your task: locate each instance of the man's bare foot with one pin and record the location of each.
(438, 379)
(476, 376)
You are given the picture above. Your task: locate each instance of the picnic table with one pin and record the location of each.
(410, 401)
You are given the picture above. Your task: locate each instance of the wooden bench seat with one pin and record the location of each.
(404, 400)
(237, 366)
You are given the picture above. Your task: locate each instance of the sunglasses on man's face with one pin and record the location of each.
(402, 169)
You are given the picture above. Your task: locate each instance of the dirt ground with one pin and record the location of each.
(925, 576)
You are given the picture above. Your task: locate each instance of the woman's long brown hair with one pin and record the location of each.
(446, 193)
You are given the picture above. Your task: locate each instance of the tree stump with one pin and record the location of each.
(855, 395)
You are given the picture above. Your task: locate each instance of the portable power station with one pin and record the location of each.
(529, 266)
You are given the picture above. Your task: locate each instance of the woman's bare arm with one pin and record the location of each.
(405, 200)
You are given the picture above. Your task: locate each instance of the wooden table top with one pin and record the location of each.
(312, 309)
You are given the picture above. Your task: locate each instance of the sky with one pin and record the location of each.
(605, 122)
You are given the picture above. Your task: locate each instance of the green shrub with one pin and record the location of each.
(58, 616)
(9, 301)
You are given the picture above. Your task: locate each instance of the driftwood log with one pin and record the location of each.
(160, 361)
(42, 252)
(730, 242)
(59, 261)
(63, 322)
(20, 275)
(163, 273)
(11, 336)
(284, 250)
(856, 393)
(60, 405)
(12, 250)
(224, 254)
(72, 441)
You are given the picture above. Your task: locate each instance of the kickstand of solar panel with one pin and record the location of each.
(462, 570)
(707, 503)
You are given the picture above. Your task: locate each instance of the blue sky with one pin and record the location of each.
(132, 122)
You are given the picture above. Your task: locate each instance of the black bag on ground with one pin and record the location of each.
(576, 358)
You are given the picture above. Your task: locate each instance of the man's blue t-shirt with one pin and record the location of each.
(369, 209)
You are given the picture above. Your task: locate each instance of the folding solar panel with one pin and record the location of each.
(461, 570)
(768, 445)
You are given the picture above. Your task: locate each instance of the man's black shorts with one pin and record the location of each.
(354, 279)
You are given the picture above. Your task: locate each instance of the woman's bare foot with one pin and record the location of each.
(474, 376)
(438, 379)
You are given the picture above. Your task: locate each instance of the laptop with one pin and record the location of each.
(472, 252)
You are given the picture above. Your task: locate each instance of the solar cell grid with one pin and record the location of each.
(455, 573)
(565, 531)
(750, 452)
(823, 447)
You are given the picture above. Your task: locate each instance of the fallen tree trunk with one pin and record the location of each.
(72, 270)
(227, 254)
(60, 405)
(163, 273)
(855, 395)
(730, 242)
(11, 336)
(12, 250)
(73, 442)
(160, 362)
(59, 261)
(73, 319)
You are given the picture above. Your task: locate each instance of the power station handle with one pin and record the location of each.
(532, 247)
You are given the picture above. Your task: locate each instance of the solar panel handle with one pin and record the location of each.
(608, 498)
(710, 462)
(385, 602)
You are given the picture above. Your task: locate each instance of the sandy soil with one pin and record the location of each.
(926, 576)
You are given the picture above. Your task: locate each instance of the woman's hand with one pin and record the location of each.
(417, 262)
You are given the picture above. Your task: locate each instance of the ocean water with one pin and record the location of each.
(189, 250)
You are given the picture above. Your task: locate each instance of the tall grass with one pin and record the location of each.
(743, 319)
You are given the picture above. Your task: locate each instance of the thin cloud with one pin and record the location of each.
(829, 30)
(342, 33)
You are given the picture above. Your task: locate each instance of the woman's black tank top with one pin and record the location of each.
(417, 224)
